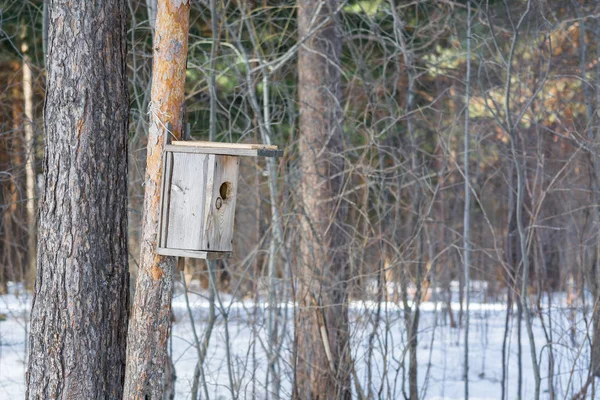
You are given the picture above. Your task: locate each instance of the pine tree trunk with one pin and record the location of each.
(79, 315)
(150, 324)
(323, 368)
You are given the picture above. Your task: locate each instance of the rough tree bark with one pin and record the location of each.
(79, 314)
(150, 324)
(323, 362)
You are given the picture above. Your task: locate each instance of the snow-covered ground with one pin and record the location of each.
(440, 354)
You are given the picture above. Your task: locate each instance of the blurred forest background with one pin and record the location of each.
(522, 89)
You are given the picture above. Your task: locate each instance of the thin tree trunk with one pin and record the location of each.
(79, 313)
(467, 210)
(14, 153)
(519, 346)
(505, 358)
(7, 272)
(414, 316)
(151, 7)
(29, 148)
(45, 31)
(595, 270)
(513, 257)
(322, 361)
(150, 323)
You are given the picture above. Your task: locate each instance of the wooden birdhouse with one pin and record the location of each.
(199, 193)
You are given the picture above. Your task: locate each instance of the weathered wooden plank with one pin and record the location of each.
(165, 199)
(208, 194)
(185, 225)
(221, 145)
(259, 152)
(221, 196)
(206, 255)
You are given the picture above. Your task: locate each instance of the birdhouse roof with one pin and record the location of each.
(231, 149)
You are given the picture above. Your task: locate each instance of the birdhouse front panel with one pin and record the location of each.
(221, 198)
(199, 193)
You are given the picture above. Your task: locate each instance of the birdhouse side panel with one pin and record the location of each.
(220, 203)
(187, 194)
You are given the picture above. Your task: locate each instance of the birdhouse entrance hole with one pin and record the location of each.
(225, 190)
